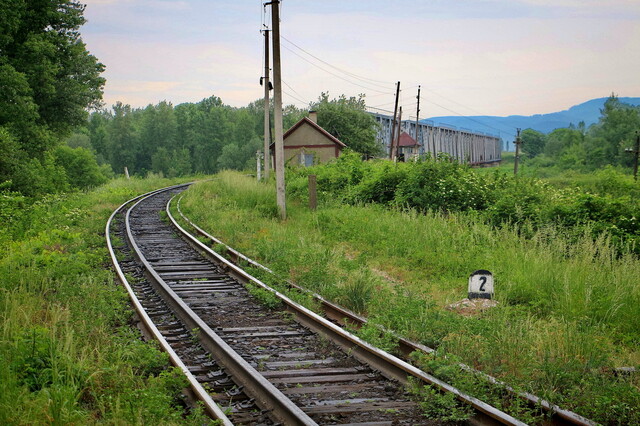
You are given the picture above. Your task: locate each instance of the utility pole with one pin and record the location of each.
(277, 109)
(393, 124)
(635, 153)
(417, 114)
(517, 156)
(398, 130)
(267, 122)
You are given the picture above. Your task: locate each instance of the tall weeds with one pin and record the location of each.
(67, 352)
(568, 312)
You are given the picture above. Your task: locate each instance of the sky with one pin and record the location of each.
(470, 57)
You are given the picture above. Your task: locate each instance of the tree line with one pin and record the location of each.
(208, 136)
(49, 82)
(586, 149)
(49, 142)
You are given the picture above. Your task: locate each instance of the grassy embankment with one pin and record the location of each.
(68, 352)
(568, 312)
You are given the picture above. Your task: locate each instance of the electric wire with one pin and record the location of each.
(294, 91)
(471, 119)
(373, 82)
(296, 98)
(384, 85)
(462, 105)
(333, 74)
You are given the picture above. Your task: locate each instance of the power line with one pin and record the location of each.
(306, 104)
(374, 82)
(379, 109)
(381, 105)
(384, 84)
(469, 118)
(334, 74)
(294, 90)
(457, 103)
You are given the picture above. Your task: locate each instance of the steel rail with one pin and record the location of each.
(389, 365)
(255, 385)
(209, 404)
(405, 346)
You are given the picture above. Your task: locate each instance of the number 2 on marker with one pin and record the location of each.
(483, 280)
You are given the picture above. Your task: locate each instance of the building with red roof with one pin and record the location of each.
(408, 146)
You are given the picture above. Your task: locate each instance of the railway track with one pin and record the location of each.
(249, 363)
(554, 414)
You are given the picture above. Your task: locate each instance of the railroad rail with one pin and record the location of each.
(405, 347)
(250, 364)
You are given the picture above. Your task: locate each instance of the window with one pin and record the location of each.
(306, 159)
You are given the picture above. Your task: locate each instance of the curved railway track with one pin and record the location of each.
(345, 318)
(247, 363)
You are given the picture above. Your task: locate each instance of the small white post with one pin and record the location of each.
(258, 164)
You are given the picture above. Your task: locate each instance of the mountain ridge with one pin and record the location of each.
(505, 127)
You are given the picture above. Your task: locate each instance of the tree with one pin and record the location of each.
(560, 140)
(80, 166)
(291, 115)
(532, 142)
(616, 129)
(121, 144)
(346, 119)
(47, 80)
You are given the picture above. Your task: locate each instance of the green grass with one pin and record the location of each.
(568, 312)
(68, 351)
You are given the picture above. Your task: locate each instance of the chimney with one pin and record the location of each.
(313, 116)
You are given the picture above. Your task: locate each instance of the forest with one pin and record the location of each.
(56, 135)
(207, 136)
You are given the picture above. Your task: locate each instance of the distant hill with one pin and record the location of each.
(589, 112)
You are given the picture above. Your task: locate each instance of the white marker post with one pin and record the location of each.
(258, 165)
(481, 285)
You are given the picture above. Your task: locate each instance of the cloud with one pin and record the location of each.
(492, 56)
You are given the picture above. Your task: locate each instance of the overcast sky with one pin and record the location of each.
(471, 57)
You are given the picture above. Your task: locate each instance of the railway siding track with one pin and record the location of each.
(265, 366)
(344, 318)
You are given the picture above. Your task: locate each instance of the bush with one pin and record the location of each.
(447, 186)
(81, 167)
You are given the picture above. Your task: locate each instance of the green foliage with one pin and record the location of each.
(264, 297)
(378, 338)
(80, 166)
(567, 313)
(498, 198)
(346, 119)
(533, 142)
(40, 363)
(442, 185)
(437, 405)
(175, 141)
(208, 136)
(48, 80)
(358, 290)
(582, 149)
(68, 352)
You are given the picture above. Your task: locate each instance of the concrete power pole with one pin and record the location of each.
(517, 156)
(267, 123)
(418, 115)
(393, 123)
(397, 135)
(277, 110)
